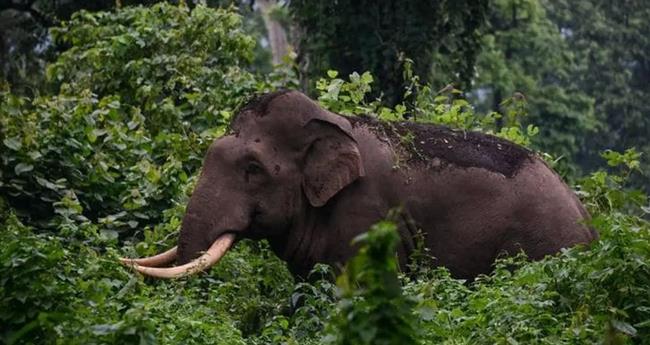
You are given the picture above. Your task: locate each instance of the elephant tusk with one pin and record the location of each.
(205, 261)
(153, 261)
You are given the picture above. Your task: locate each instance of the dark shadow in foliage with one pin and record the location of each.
(376, 35)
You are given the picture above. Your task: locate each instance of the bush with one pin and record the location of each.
(56, 291)
(108, 153)
(372, 309)
(115, 149)
(141, 93)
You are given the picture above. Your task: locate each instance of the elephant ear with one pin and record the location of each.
(331, 163)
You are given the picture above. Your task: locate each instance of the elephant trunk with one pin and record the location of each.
(195, 236)
(203, 240)
(197, 249)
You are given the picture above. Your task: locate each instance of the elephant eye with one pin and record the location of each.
(253, 168)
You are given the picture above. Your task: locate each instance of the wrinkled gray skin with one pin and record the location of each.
(309, 181)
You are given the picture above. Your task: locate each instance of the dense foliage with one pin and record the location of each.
(101, 167)
(525, 53)
(611, 44)
(25, 43)
(376, 36)
(140, 94)
(582, 66)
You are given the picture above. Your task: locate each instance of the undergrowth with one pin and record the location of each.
(102, 168)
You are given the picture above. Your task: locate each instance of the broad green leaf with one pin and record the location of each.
(22, 168)
(13, 143)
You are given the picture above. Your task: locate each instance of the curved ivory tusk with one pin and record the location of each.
(207, 260)
(153, 261)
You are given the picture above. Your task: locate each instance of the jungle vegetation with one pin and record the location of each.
(107, 109)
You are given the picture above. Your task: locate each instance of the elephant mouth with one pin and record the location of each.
(151, 266)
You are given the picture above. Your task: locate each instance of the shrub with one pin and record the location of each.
(109, 153)
(141, 93)
(372, 309)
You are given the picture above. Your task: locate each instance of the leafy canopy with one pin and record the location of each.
(93, 160)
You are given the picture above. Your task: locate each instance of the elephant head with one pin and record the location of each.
(283, 155)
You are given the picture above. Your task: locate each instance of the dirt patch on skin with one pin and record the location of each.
(439, 146)
(259, 104)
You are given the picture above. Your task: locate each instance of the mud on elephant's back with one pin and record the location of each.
(441, 146)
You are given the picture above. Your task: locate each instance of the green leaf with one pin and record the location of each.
(47, 184)
(23, 167)
(13, 143)
(366, 77)
(624, 328)
(332, 74)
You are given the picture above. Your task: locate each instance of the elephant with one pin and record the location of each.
(309, 181)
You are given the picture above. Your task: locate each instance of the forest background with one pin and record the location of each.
(107, 107)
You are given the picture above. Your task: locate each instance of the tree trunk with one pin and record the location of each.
(276, 33)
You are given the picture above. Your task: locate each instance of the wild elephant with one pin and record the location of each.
(309, 181)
